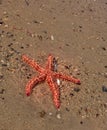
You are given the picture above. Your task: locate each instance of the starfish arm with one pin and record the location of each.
(66, 77)
(55, 91)
(32, 63)
(33, 81)
(49, 62)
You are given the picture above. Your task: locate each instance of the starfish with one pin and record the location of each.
(49, 75)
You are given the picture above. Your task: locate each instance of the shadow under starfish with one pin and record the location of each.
(49, 75)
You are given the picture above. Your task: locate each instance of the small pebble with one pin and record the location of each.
(67, 109)
(58, 116)
(67, 66)
(76, 89)
(67, 44)
(35, 21)
(105, 75)
(58, 82)
(81, 122)
(104, 88)
(97, 114)
(71, 94)
(4, 64)
(103, 48)
(42, 114)
(2, 36)
(80, 26)
(6, 26)
(50, 113)
(105, 66)
(2, 91)
(52, 37)
(22, 47)
(40, 37)
(9, 34)
(4, 12)
(10, 44)
(1, 76)
(1, 22)
(2, 98)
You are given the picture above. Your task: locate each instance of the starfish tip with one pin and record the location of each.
(23, 56)
(50, 54)
(79, 82)
(28, 93)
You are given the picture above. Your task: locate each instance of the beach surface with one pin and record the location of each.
(75, 33)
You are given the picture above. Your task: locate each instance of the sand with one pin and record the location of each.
(75, 33)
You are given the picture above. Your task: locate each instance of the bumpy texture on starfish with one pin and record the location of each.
(49, 75)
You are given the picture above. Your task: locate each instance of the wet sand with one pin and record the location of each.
(75, 33)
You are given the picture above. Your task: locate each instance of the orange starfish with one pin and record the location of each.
(49, 75)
